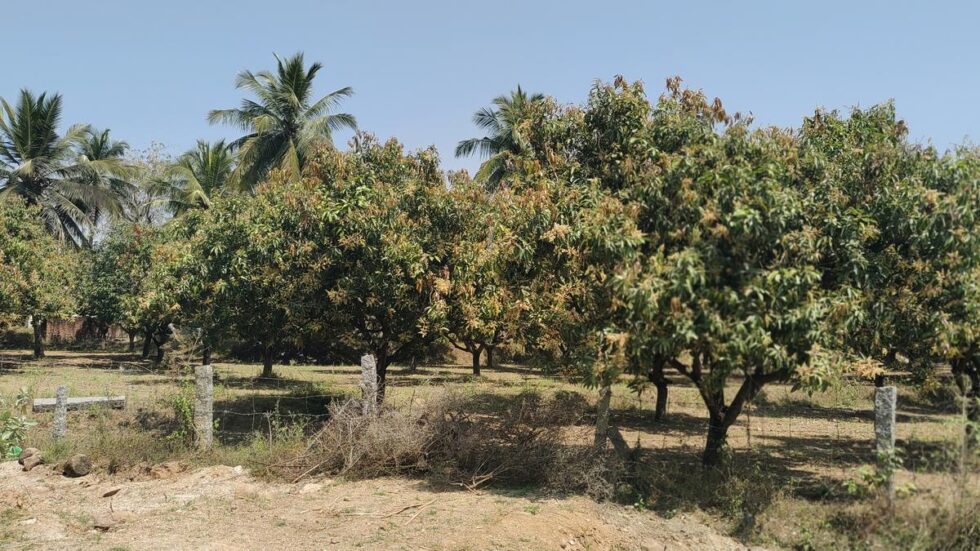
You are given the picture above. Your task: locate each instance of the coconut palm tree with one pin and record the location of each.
(282, 124)
(107, 168)
(198, 175)
(503, 140)
(45, 169)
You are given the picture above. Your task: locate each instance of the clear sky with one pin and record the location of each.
(150, 71)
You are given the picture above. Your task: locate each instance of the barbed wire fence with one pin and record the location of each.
(831, 439)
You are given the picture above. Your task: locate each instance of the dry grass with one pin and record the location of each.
(794, 455)
(448, 439)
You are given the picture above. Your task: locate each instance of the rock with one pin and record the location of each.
(28, 452)
(103, 523)
(29, 521)
(78, 465)
(166, 470)
(31, 461)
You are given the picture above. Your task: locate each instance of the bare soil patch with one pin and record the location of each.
(223, 507)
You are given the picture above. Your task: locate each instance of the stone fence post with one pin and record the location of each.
(204, 406)
(886, 400)
(60, 425)
(369, 383)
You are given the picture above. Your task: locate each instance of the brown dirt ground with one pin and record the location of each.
(223, 508)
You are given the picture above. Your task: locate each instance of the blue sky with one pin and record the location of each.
(150, 71)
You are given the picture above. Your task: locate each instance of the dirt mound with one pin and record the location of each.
(225, 508)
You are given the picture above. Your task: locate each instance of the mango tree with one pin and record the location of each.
(478, 303)
(870, 200)
(38, 272)
(568, 237)
(727, 290)
(243, 276)
(382, 253)
(957, 267)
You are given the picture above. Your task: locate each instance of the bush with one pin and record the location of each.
(445, 440)
(13, 425)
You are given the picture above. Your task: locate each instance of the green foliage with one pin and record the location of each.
(478, 298)
(505, 141)
(13, 425)
(182, 404)
(246, 268)
(384, 248)
(284, 125)
(196, 177)
(38, 272)
(870, 202)
(73, 178)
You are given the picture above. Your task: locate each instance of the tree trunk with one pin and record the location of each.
(147, 342)
(381, 365)
(661, 399)
(476, 360)
(160, 351)
(602, 417)
(267, 363)
(656, 376)
(490, 357)
(40, 328)
(132, 342)
(715, 446)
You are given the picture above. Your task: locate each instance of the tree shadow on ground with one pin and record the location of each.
(806, 410)
(127, 364)
(667, 478)
(294, 386)
(930, 456)
(240, 417)
(642, 420)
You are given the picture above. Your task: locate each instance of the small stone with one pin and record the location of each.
(28, 452)
(29, 521)
(78, 465)
(31, 461)
(311, 488)
(103, 523)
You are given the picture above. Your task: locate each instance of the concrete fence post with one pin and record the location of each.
(204, 406)
(60, 425)
(369, 383)
(886, 400)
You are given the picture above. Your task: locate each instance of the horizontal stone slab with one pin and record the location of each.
(81, 402)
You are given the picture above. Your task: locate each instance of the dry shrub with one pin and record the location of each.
(450, 440)
(947, 521)
(522, 444)
(355, 445)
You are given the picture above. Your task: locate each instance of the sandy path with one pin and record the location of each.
(224, 508)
